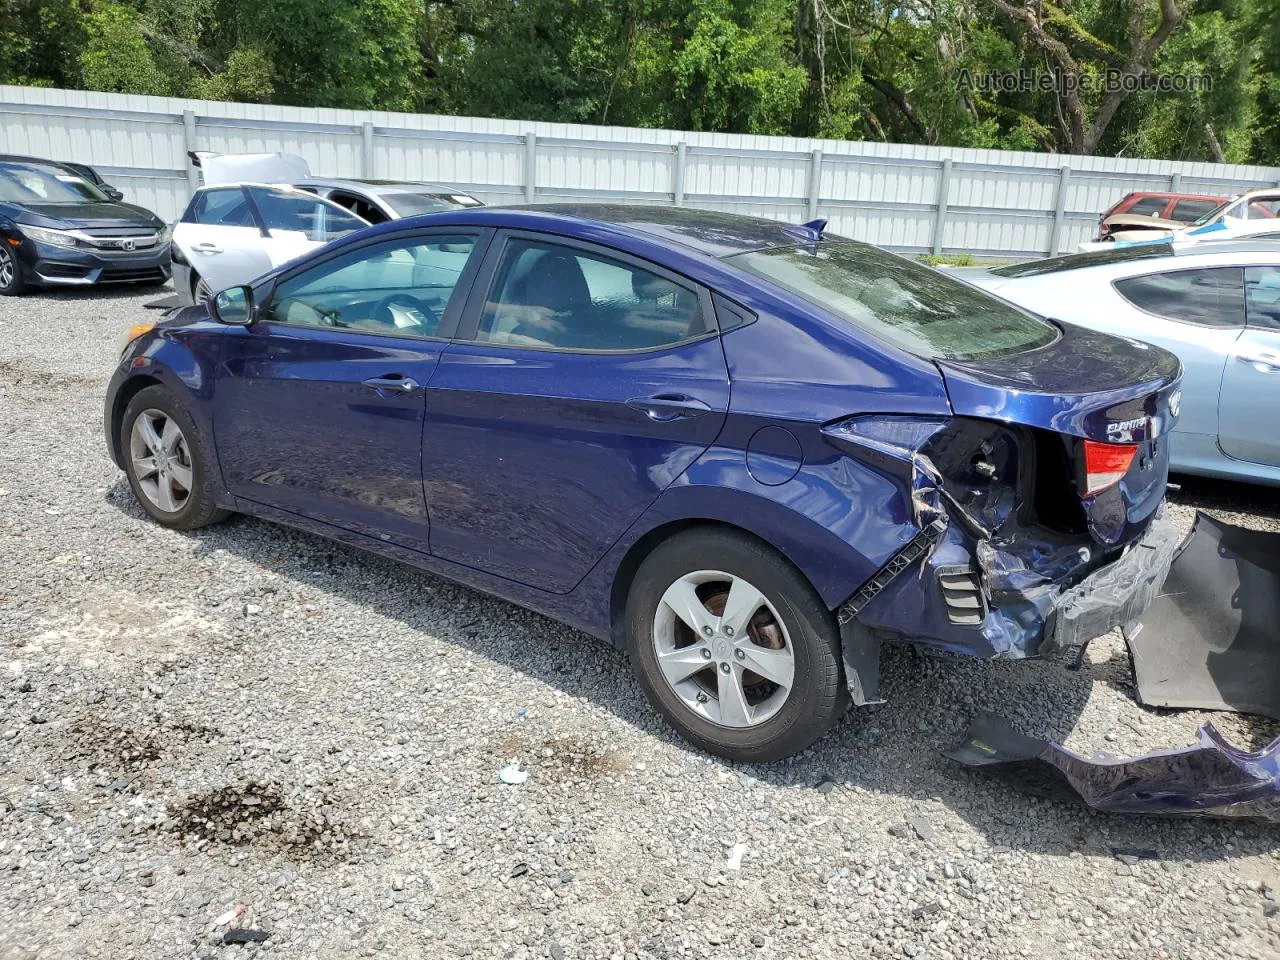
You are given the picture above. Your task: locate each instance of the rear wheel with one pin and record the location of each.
(733, 647)
(168, 467)
(11, 281)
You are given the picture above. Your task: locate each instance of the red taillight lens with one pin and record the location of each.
(1105, 464)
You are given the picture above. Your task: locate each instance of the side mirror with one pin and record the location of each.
(113, 193)
(233, 306)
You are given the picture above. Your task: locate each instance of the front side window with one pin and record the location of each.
(1262, 297)
(316, 219)
(1267, 209)
(547, 295)
(399, 288)
(913, 307)
(223, 208)
(1210, 298)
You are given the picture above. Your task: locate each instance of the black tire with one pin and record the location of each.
(17, 284)
(817, 697)
(199, 508)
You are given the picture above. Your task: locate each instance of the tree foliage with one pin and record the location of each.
(894, 70)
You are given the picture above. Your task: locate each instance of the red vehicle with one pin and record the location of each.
(1173, 207)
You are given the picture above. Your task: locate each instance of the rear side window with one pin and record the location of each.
(551, 296)
(1210, 298)
(223, 208)
(1262, 297)
(908, 304)
(1148, 207)
(1189, 211)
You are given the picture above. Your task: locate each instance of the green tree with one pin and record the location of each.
(116, 57)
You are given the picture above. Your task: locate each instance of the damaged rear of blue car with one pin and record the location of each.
(1027, 519)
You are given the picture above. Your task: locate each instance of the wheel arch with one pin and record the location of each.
(625, 572)
(128, 390)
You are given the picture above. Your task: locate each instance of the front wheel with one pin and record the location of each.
(11, 281)
(169, 469)
(733, 646)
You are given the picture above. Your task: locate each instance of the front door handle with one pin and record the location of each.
(391, 384)
(1263, 361)
(666, 407)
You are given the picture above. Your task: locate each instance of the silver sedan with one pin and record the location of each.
(1216, 305)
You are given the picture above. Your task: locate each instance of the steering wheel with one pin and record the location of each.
(403, 311)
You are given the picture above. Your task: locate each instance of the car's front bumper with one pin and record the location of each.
(51, 265)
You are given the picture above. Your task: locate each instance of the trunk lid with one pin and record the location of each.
(1085, 386)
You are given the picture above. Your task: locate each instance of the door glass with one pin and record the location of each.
(1262, 297)
(1211, 298)
(225, 208)
(319, 220)
(1189, 211)
(1148, 207)
(546, 295)
(1267, 209)
(399, 288)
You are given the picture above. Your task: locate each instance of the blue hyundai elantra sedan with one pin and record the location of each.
(749, 453)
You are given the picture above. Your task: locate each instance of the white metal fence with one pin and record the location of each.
(911, 199)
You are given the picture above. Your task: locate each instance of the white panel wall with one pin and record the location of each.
(998, 204)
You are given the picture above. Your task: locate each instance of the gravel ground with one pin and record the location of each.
(249, 719)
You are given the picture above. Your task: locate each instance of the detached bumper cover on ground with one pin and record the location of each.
(1211, 778)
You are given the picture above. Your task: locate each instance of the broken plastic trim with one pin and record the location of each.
(917, 547)
(1210, 779)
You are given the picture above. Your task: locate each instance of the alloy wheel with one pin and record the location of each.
(723, 649)
(161, 460)
(7, 268)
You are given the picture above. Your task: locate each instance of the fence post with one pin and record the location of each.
(530, 166)
(1175, 183)
(189, 144)
(366, 149)
(815, 183)
(677, 176)
(1059, 210)
(940, 215)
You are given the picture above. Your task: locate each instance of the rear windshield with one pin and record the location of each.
(908, 304)
(1078, 261)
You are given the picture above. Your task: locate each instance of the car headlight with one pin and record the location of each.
(133, 333)
(164, 234)
(57, 238)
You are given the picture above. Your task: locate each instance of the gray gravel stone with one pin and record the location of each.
(261, 722)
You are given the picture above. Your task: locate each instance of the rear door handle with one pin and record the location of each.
(206, 248)
(669, 406)
(392, 384)
(1263, 361)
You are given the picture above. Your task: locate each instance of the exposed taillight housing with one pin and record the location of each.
(1105, 464)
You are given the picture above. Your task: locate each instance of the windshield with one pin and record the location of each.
(1215, 213)
(411, 204)
(912, 306)
(36, 183)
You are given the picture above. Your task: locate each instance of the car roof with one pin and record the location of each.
(378, 186)
(1176, 196)
(710, 233)
(1161, 253)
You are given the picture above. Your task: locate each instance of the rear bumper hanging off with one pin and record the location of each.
(1113, 596)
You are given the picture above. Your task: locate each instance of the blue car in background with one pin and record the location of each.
(746, 452)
